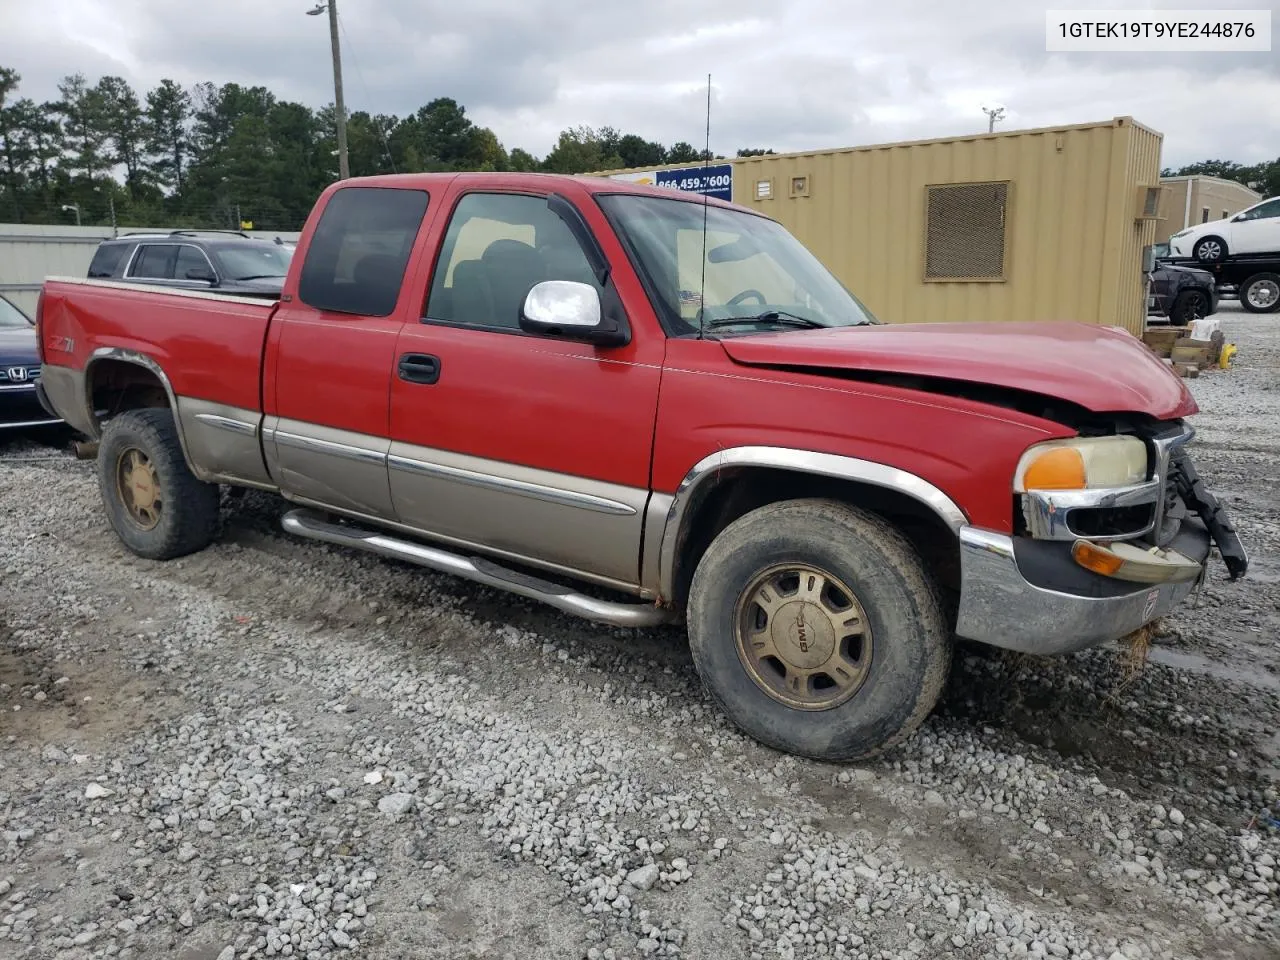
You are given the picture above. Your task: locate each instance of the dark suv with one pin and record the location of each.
(228, 262)
(1180, 292)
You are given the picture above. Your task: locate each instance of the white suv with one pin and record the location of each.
(1253, 230)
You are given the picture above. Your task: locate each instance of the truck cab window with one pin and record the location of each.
(497, 247)
(356, 260)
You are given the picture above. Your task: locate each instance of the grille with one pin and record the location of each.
(19, 374)
(966, 231)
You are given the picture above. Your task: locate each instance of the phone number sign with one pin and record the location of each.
(714, 181)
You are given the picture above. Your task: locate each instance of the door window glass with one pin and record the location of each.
(191, 259)
(1264, 211)
(106, 259)
(496, 248)
(155, 261)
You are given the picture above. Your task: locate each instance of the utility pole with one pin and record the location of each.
(993, 114)
(340, 110)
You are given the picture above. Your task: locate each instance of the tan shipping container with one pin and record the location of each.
(1046, 224)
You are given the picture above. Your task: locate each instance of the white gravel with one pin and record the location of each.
(274, 748)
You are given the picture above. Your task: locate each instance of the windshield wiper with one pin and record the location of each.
(261, 276)
(769, 316)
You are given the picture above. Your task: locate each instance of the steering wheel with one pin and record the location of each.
(738, 298)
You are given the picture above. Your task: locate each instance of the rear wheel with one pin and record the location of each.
(817, 629)
(155, 504)
(1209, 249)
(1261, 293)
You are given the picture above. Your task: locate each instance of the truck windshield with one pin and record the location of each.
(755, 275)
(11, 316)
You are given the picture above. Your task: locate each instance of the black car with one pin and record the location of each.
(225, 261)
(19, 372)
(1179, 292)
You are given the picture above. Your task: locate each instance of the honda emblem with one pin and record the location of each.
(18, 374)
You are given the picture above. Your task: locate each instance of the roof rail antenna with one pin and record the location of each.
(706, 198)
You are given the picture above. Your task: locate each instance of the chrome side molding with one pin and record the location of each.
(309, 524)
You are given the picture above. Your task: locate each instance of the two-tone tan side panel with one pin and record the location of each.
(325, 465)
(560, 519)
(655, 524)
(223, 441)
(64, 387)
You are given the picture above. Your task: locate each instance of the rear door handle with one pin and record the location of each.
(419, 368)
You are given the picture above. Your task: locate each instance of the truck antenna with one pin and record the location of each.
(706, 197)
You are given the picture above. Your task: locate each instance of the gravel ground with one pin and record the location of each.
(274, 748)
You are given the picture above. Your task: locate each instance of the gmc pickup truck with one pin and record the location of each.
(641, 407)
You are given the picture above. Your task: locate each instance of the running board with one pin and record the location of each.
(306, 523)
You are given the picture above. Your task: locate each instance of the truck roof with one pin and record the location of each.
(534, 181)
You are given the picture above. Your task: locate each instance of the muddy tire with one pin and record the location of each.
(789, 583)
(154, 502)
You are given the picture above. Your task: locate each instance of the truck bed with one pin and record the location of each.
(209, 345)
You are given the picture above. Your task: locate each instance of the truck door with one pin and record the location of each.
(330, 350)
(533, 446)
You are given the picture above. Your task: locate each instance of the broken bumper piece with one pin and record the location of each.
(1035, 597)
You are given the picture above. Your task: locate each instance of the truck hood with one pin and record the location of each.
(1102, 369)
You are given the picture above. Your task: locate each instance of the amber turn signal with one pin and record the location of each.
(1095, 558)
(1059, 468)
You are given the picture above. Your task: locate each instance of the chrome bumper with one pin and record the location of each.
(999, 606)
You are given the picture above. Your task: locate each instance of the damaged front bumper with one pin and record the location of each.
(999, 605)
(1059, 589)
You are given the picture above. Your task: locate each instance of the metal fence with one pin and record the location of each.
(29, 253)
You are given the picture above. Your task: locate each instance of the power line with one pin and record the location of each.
(368, 97)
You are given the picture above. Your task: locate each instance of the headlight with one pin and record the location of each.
(1180, 233)
(1082, 463)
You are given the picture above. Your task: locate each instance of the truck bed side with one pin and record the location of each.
(200, 353)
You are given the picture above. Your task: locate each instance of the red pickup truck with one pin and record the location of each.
(640, 406)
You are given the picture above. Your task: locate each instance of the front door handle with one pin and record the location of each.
(419, 368)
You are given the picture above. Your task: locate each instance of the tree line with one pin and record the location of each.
(212, 156)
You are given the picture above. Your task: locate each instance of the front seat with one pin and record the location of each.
(472, 300)
(512, 268)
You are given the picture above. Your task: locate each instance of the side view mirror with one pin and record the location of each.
(200, 273)
(571, 310)
(1238, 218)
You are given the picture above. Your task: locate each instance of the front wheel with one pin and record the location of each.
(817, 629)
(1190, 305)
(155, 504)
(1261, 293)
(1210, 249)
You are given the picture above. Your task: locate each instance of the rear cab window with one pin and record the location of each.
(358, 253)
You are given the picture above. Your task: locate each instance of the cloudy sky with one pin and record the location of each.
(787, 74)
